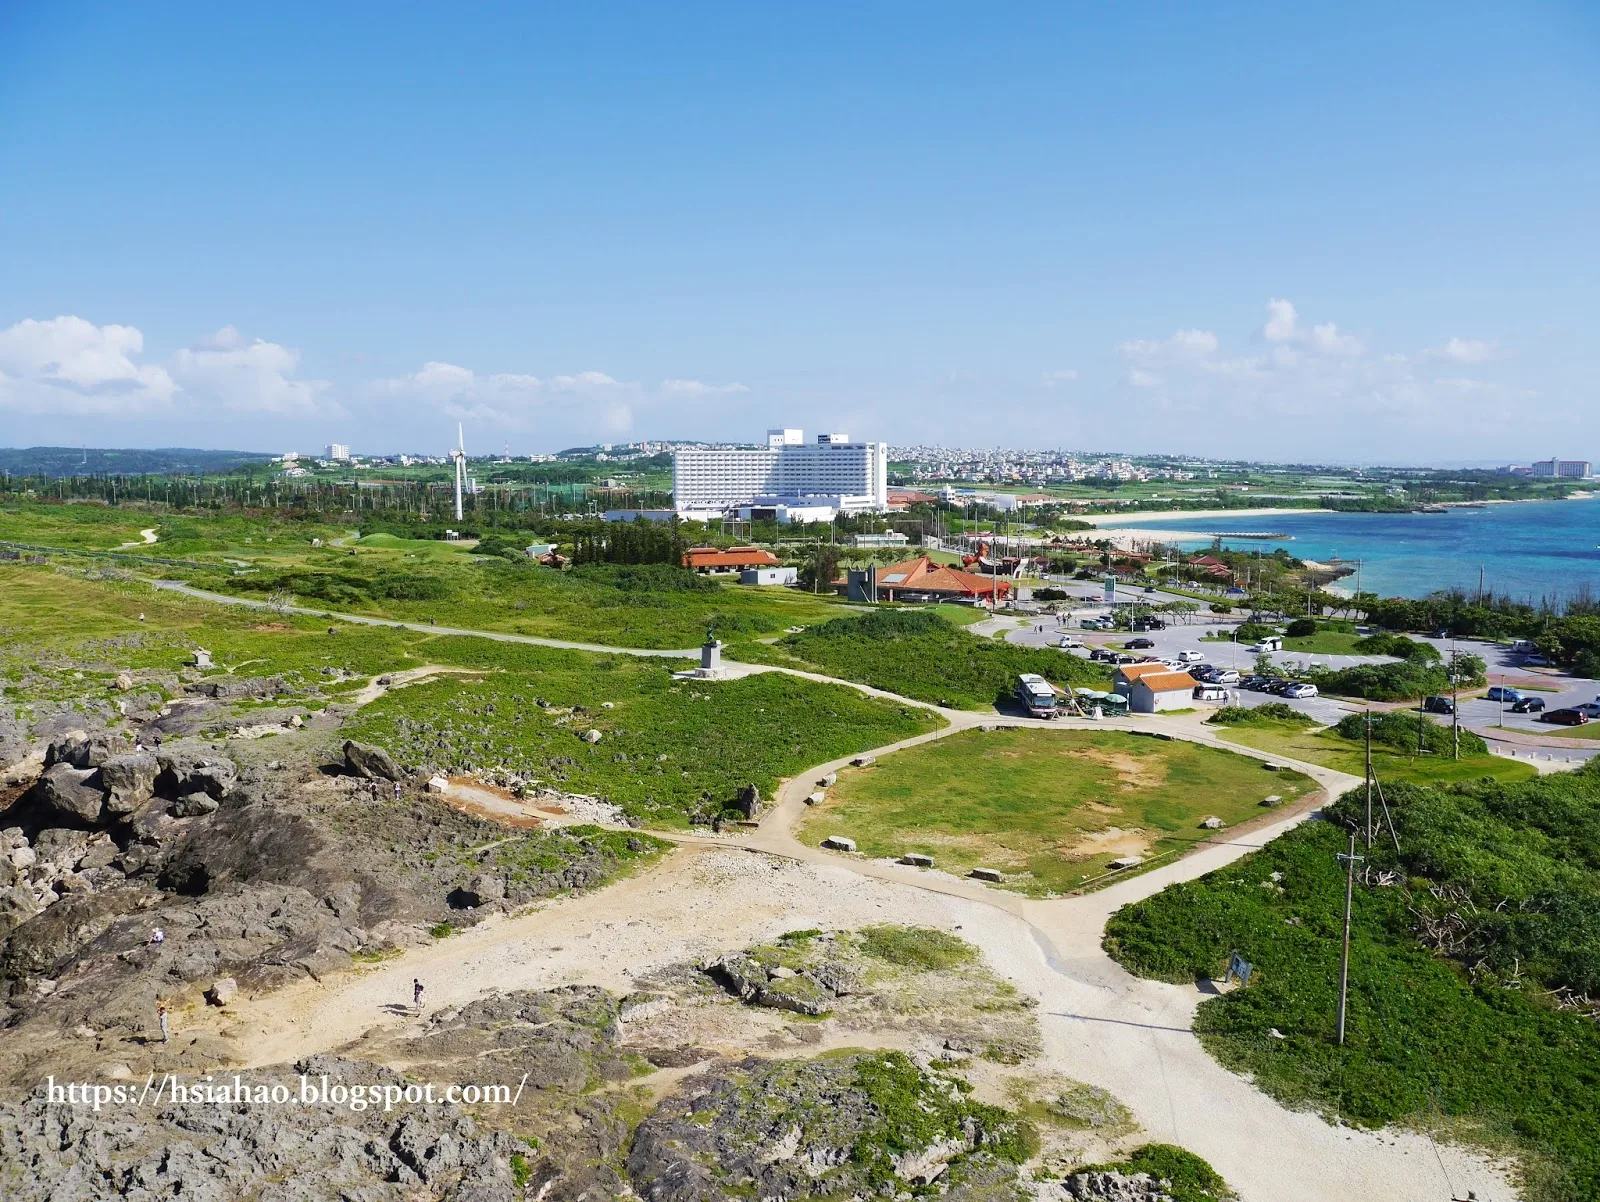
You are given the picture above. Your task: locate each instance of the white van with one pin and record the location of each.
(1210, 692)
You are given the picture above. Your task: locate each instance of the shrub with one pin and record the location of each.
(1399, 729)
(1301, 628)
(1221, 607)
(1253, 632)
(1270, 714)
(1398, 646)
(1190, 1178)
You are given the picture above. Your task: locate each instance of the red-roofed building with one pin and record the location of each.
(922, 578)
(734, 559)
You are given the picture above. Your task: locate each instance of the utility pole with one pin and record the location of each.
(1368, 723)
(1344, 958)
(1455, 704)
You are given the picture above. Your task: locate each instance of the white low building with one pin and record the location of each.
(784, 575)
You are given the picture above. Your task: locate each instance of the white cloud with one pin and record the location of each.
(1189, 344)
(1281, 319)
(698, 388)
(1140, 378)
(247, 375)
(71, 367)
(1465, 350)
(1327, 339)
(512, 400)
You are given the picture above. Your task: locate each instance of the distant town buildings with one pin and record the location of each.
(1562, 469)
(787, 480)
(338, 452)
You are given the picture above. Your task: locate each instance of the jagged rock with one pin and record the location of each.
(193, 805)
(438, 784)
(1106, 1186)
(835, 977)
(73, 793)
(739, 974)
(370, 763)
(22, 857)
(591, 736)
(231, 688)
(223, 990)
(797, 994)
(479, 891)
(839, 843)
(917, 860)
(123, 683)
(79, 749)
(183, 773)
(1213, 823)
(992, 875)
(863, 761)
(129, 781)
(749, 802)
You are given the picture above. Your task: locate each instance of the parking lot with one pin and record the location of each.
(1506, 731)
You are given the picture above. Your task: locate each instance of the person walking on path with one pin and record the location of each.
(416, 994)
(161, 1016)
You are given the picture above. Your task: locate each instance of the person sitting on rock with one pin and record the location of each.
(158, 937)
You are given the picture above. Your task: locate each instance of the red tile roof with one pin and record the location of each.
(922, 575)
(733, 557)
(1167, 682)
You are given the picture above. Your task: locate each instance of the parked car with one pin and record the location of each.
(1149, 588)
(1101, 655)
(1528, 705)
(1280, 688)
(1255, 683)
(1439, 705)
(1140, 644)
(1191, 656)
(1564, 717)
(1300, 691)
(1536, 661)
(1589, 709)
(1122, 657)
(1500, 693)
(1226, 676)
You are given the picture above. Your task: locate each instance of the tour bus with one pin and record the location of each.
(1036, 695)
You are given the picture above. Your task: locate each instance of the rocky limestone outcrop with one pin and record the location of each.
(370, 762)
(204, 1152)
(1101, 1185)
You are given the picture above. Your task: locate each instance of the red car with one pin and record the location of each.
(1565, 717)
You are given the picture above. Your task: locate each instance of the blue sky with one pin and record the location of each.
(1360, 232)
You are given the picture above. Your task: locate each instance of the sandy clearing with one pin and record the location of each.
(374, 689)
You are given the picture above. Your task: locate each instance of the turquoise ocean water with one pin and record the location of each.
(1529, 549)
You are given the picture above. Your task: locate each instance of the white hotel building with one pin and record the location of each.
(796, 480)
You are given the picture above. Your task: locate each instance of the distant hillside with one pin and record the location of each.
(126, 461)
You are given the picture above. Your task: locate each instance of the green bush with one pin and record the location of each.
(1301, 628)
(1398, 646)
(1254, 632)
(1190, 1178)
(1271, 713)
(1399, 729)
(1491, 907)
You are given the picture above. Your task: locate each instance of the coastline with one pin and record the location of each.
(1183, 515)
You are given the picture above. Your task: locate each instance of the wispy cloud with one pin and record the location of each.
(699, 388)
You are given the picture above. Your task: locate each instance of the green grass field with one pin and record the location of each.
(1329, 750)
(669, 750)
(1325, 642)
(1050, 808)
(82, 527)
(917, 654)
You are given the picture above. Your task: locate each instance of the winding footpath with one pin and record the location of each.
(1100, 1024)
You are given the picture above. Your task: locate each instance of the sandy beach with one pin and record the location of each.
(1111, 519)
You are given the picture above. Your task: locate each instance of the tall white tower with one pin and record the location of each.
(459, 455)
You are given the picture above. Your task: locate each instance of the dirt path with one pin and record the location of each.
(145, 539)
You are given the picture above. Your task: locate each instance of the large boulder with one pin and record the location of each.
(129, 781)
(371, 763)
(79, 749)
(184, 772)
(74, 794)
(749, 802)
